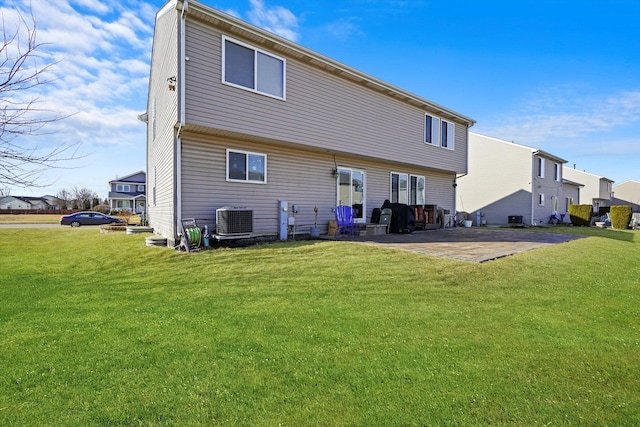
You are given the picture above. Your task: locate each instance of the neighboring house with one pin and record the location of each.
(129, 193)
(513, 183)
(627, 193)
(26, 202)
(596, 189)
(53, 201)
(240, 117)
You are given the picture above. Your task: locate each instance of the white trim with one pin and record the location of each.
(247, 153)
(255, 71)
(435, 137)
(406, 191)
(540, 165)
(364, 190)
(424, 195)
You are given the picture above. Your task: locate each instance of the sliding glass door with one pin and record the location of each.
(351, 191)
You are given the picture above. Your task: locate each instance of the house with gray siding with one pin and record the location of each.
(239, 117)
(596, 190)
(129, 193)
(513, 183)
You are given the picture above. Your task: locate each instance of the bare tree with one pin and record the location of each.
(83, 197)
(22, 162)
(64, 199)
(5, 191)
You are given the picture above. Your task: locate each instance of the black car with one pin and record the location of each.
(89, 218)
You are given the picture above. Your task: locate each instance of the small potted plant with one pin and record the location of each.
(315, 231)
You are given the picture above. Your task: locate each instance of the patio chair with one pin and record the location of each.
(344, 220)
(385, 218)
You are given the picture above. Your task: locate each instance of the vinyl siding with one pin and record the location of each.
(321, 111)
(595, 188)
(548, 186)
(300, 177)
(628, 191)
(160, 151)
(499, 181)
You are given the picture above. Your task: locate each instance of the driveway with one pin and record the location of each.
(467, 244)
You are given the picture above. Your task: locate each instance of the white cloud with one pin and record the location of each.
(343, 28)
(567, 113)
(277, 19)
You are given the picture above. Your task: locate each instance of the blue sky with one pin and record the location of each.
(563, 76)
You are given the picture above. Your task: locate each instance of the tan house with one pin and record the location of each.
(240, 119)
(596, 190)
(509, 183)
(627, 193)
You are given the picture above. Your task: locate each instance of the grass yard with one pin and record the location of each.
(98, 329)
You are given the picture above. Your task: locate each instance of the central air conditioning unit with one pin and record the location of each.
(233, 221)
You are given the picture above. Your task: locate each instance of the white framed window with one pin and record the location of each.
(245, 166)
(439, 132)
(556, 172)
(554, 200)
(352, 191)
(568, 202)
(123, 188)
(140, 187)
(541, 199)
(253, 69)
(416, 189)
(540, 167)
(123, 204)
(398, 188)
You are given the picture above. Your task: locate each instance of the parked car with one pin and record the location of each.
(89, 218)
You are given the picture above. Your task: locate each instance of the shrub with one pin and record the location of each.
(126, 215)
(620, 216)
(581, 215)
(102, 209)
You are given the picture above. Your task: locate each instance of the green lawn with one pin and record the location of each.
(98, 329)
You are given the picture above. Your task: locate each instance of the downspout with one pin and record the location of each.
(181, 112)
(455, 194)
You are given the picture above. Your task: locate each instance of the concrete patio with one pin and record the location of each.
(475, 244)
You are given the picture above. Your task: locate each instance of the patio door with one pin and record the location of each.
(351, 191)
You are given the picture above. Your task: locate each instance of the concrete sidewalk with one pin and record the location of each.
(468, 244)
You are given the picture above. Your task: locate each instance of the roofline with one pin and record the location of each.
(629, 180)
(191, 7)
(592, 174)
(568, 181)
(130, 175)
(551, 156)
(535, 151)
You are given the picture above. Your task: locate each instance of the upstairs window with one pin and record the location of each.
(246, 167)
(141, 188)
(439, 132)
(123, 188)
(252, 69)
(540, 167)
(556, 174)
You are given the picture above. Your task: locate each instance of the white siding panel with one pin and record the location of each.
(160, 151)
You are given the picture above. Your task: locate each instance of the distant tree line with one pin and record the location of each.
(80, 198)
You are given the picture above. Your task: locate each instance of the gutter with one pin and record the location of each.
(181, 112)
